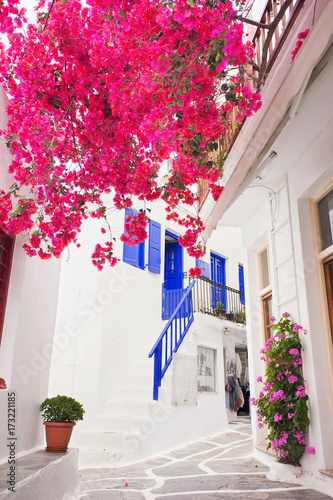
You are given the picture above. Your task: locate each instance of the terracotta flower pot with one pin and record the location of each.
(58, 435)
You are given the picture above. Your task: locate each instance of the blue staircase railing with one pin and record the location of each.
(170, 300)
(171, 337)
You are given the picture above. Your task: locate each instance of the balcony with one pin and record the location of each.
(268, 44)
(218, 300)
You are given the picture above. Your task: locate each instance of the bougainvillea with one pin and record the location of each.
(301, 37)
(101, 93)
(282, 402)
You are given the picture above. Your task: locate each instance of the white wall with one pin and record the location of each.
(113, 318)
(26, 345)
(305, 154)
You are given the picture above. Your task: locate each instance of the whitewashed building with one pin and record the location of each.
(279, 191)
(109, 321)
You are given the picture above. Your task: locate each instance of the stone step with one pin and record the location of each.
(129, 393)
(100, 440)
(116, 423)
(122, 407)
(136, 380)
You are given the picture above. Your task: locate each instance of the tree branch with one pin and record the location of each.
(252, 22)
(48, 15)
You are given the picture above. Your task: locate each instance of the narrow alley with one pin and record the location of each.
(219, 467)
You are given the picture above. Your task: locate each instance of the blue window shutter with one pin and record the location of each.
(134, 255)
(204, 266)
(154, 249)
(241, 282)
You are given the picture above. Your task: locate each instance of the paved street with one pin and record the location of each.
(219, 467)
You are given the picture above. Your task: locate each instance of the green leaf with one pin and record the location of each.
(180, 102)
(191, 3)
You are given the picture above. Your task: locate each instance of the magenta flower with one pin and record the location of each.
(297, 361)
(310, 451)
(285, 315)
(272, 319)
(279, 376)
(252, 401)
(284, 453)
(268, 386)
(274, 444)
(283, 438)
(277, 417)
(294, 352)
(297, 327)
(292, 379)
(259, 379)
(291, 415)
(281, 336)
(300, 391)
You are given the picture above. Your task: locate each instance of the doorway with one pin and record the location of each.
(217, 275)
(172, 291)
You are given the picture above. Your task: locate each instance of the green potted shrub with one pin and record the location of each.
(60, 414)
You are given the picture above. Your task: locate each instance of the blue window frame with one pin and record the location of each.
(154, 247)
(241, 283)
(204, 266)
(217, 272)
(134, 255)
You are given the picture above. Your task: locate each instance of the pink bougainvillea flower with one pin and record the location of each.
(277, 417)
(292, 379)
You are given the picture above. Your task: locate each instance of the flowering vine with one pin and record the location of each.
(101, 93)
(282, 402)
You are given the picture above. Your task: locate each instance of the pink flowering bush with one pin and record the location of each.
(282, 402)
(101, 93)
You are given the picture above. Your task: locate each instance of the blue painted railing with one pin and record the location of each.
(171, 337)
(170, 300)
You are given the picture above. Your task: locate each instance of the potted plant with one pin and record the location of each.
(240, 317)
(60, 414)
(219, 309)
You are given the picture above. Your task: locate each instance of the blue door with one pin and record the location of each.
(172, 291)
(173, 267)
(217, 274)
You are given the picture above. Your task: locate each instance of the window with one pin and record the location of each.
(265, 275)
(6, 251)
(328, 270)
(325, 210)
(135, 254)
(266, 292)
(267, 310)
(204, 266)
(206, 369)
(325, 207)
(241, 283)
(154, 249)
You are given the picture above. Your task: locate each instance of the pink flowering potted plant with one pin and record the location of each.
(282, 402)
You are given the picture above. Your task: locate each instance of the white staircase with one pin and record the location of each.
(115, 436)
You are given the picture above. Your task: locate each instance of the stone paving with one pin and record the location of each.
(220, 467)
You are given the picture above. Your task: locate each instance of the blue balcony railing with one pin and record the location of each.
(219, 300)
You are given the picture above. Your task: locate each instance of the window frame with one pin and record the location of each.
(267, 323)
(138, 258)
